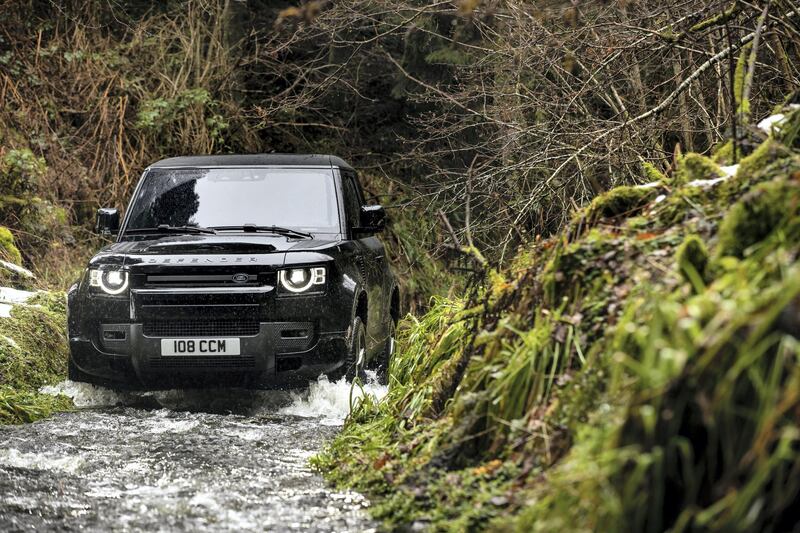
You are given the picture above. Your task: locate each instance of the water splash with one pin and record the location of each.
(323, 399)
(330, 401)
(85, 395)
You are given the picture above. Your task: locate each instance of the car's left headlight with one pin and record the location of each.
(108, 280)
(303, 279)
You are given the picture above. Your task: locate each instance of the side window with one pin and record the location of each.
(352, 200)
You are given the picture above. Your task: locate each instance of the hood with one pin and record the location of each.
(213, 248)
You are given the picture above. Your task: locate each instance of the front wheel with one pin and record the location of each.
(76, 374)
(385, 357)
(357, 352)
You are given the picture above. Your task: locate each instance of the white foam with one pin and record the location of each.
(165, 425)
(39, 461)
(331, 401)
(86, 395)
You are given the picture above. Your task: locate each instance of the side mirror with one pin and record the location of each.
(372, 219)
(107, 221)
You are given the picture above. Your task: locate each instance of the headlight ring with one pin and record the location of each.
(300, 280)
(109, 281)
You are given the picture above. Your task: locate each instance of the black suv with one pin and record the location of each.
(245, 270)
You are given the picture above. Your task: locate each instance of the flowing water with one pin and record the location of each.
(178, 461)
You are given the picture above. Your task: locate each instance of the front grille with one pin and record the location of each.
(201, 328)
(215, 278)
(192, 361)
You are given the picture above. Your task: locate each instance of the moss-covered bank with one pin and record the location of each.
(33, 346)
(33, 353)
(639, 372)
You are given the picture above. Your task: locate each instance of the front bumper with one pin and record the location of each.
(278, 355)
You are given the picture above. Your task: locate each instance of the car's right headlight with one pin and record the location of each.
(109, 281)
(303, 279)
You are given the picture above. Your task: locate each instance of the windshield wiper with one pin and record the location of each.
(166, 228)
(278, 230)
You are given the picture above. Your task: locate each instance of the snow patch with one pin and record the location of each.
(10, 297)
(330, 401)
(651, 185)
(773, 122)
(730, 170)
(16, 268)
(706, 183)
(14, 296)
(10, 341)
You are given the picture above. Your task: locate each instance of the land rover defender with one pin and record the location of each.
(236, 270)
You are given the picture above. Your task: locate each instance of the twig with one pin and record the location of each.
(751, 65)
(661, 106)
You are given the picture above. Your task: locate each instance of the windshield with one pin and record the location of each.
(300, 199)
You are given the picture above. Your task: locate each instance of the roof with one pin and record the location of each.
(253, 160)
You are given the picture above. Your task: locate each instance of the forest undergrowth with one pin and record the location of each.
(636, 372)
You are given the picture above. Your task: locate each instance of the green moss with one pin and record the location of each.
(8, 249)
(448, 56)
(788, 132)
(651, 173)
(743, 106)
(716, 20)
(722, 153)
(692, 259)
(694, 166)
(621, 201)
(767, 208)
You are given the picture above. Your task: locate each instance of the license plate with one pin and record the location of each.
(200, 346)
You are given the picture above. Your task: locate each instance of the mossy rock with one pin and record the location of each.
(8, 250)
(768, 207)
(621, 201)
(695, 167)
(751, 166)
(788, 131)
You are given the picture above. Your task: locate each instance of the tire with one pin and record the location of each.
(357, 352)
(76, 374)
(385, 357)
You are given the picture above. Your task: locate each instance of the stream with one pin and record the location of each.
(179, 461)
